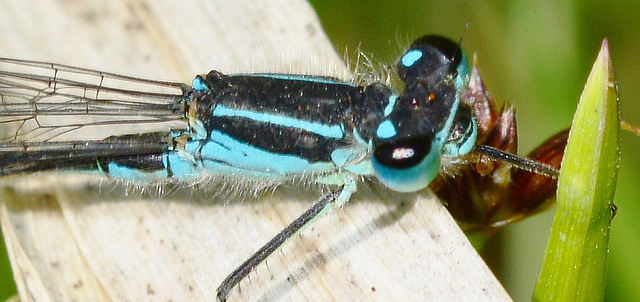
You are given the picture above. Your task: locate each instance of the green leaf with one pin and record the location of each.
(574, 264)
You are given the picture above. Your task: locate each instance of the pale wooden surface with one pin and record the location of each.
(73, 240)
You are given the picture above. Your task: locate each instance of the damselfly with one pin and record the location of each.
(276, 127)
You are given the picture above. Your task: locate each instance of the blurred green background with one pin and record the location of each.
(536, 55)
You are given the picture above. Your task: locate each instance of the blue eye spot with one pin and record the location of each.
(199, 84)
(411, 57)
(386, 129)
(392, 102)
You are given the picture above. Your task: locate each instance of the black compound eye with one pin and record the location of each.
(403, 154)
(429, 55)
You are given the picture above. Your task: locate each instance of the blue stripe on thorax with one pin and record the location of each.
(295, 77)
(331, 131)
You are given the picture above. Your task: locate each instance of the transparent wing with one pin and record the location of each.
(52, 112)
(42, 101)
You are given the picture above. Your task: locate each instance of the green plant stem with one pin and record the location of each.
(574, 264)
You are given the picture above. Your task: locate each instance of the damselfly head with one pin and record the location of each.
(411, 138)
(433, 126)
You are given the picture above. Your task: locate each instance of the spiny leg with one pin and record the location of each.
(520, 162)
(318, 209)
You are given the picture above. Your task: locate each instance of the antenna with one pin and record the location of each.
(464, 32)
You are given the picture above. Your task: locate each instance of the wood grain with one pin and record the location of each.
(82, 238)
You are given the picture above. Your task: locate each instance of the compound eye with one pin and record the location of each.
(428, 55)
(403, 154)
(407, 165)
